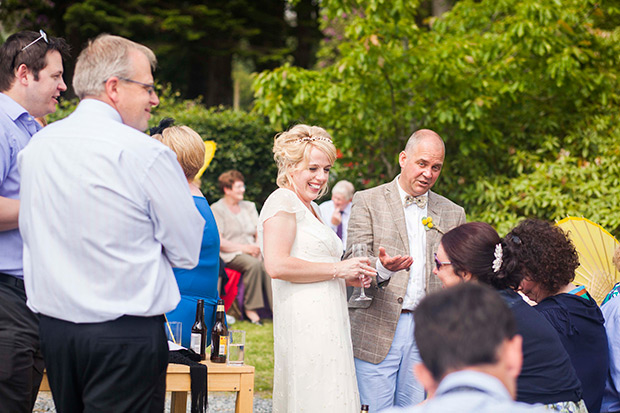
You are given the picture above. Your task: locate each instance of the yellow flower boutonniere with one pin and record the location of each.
(428, 224)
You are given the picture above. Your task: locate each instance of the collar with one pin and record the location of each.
(403, 194)
(13, 109)
(93, 105)
(476, 379)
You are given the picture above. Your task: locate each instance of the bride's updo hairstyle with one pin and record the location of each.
(291, 151)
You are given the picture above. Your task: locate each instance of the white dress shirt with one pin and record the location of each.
(327, 210)
(105, 214)
(416, 235)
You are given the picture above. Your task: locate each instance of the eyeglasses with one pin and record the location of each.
(43, 36)
(149, 88)
(439, 263)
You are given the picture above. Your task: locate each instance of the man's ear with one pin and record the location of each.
(21, 74)
(111, 88)
(425, 377)
(402, 158)
(514, 355)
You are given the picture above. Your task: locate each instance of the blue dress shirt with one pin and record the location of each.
(16, 129)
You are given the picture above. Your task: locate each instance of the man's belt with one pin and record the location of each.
(11, 280)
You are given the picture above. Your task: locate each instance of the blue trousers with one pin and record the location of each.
(391, 382)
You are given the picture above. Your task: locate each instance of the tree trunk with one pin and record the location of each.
(439, 7)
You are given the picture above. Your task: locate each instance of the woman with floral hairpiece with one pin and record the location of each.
(313, 354)
(546, 258)
(475, 252)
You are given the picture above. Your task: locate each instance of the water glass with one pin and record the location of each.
(236, 347)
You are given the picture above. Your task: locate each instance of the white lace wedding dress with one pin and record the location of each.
(314, 368)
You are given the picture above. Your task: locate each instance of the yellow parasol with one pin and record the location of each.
(595, 247)
(210, 147)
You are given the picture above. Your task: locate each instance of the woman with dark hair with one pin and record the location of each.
(547, 260)
(475, 252)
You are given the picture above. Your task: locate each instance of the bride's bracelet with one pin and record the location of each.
(335, 272)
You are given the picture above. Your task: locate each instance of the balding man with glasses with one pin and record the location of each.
(105, 214)
(30, 84)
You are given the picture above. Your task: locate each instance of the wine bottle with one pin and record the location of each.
(198, 339)
(219, 335)
(364, 408)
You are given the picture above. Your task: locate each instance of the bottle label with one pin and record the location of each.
(195, 342)
(223, 342)
(220, 308)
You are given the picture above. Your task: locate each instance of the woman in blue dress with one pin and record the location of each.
(200, 282)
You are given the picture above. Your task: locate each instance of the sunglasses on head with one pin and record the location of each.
(439, 263)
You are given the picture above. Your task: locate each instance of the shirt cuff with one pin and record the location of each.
(383, 274)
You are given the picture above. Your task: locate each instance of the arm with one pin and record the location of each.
(177, 223)
(278, 238)
(229, 246)
(9, 212)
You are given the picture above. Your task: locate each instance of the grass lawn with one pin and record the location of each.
(259, 353)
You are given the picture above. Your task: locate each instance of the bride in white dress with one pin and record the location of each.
(314, 368)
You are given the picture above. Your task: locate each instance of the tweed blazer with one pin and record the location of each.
(378, 220)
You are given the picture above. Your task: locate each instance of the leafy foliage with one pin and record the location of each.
(525, 94)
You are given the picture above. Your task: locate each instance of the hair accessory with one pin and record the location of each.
(497, 262)
(163, 124)
(314, 138)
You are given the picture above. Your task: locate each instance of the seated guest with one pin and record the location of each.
(474, 252)
(611, 312)
(236, 222)
(337, 211)
(471, 354)
(200, 282)
(547, 260)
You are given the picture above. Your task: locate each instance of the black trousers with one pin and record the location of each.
(21, 361)
(114, 366)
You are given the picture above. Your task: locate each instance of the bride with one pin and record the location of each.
(314, 369)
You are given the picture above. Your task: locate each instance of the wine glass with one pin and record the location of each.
(361, 250)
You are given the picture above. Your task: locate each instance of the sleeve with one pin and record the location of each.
(5, 155)
(281, 200)
(177, 223)
(220, 219)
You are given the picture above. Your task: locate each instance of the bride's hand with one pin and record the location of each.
(355, 268)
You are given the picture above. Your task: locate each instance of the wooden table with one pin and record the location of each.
(221, 377)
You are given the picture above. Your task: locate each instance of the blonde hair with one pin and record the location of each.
(188, 146)
(291, 151)
(104, 57)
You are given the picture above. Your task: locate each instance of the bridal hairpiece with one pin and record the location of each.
(314, 138)
(497, 262)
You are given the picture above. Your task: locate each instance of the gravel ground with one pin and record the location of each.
(218, 403)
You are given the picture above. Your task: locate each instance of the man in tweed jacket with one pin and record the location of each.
(402, 234)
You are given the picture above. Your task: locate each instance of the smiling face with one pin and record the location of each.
(421, 166)
(235, 192)
(446, 273)
(134, 100)
(42, 94)
(310, 177)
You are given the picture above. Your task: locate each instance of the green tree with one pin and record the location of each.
(195, 41)
(525, 94)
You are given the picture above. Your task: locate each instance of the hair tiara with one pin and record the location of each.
(314, 138)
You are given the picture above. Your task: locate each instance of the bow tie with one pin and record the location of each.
(420, 201)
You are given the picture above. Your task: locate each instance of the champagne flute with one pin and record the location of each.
(361, 250)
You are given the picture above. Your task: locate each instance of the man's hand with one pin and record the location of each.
(395, 263)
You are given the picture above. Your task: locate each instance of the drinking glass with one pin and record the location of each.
(173, 331)
(236, 347)
(361, 250)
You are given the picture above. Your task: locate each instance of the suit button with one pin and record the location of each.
(400, 300)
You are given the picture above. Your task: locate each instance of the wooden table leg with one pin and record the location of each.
(178, 402)
(245, 396)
